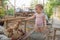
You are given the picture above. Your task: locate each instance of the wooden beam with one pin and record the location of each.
(9, 19)
(14, 7)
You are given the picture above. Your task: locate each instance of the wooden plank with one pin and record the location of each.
(9, 19)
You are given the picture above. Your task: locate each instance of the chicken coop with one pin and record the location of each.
(14, 26)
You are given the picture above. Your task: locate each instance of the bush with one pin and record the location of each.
(2, 13)
(50, 5)
(10, 11)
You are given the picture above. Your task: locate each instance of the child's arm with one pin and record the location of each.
(30, 17)
(45, 25)
(44, 20)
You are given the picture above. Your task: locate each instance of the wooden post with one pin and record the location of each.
(54, 34)
(55, 29)
(5, 24)
(14, 7)
(25, 26)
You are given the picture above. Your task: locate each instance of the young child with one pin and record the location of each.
(40, 20)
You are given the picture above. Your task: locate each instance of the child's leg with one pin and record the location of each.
(38, 29)
(41, 29)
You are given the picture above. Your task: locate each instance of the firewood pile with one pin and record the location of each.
(24, 14)
(14, 31)
(13, 28)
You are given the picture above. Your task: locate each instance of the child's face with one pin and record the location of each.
(38, 9)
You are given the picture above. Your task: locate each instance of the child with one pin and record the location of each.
(40, 20)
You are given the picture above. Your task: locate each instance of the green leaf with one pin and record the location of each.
(2, 13)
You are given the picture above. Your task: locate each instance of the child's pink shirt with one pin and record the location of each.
(39, 19)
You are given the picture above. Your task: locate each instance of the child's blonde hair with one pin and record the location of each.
(39, 5)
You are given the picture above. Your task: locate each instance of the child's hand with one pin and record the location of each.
(25, 19)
